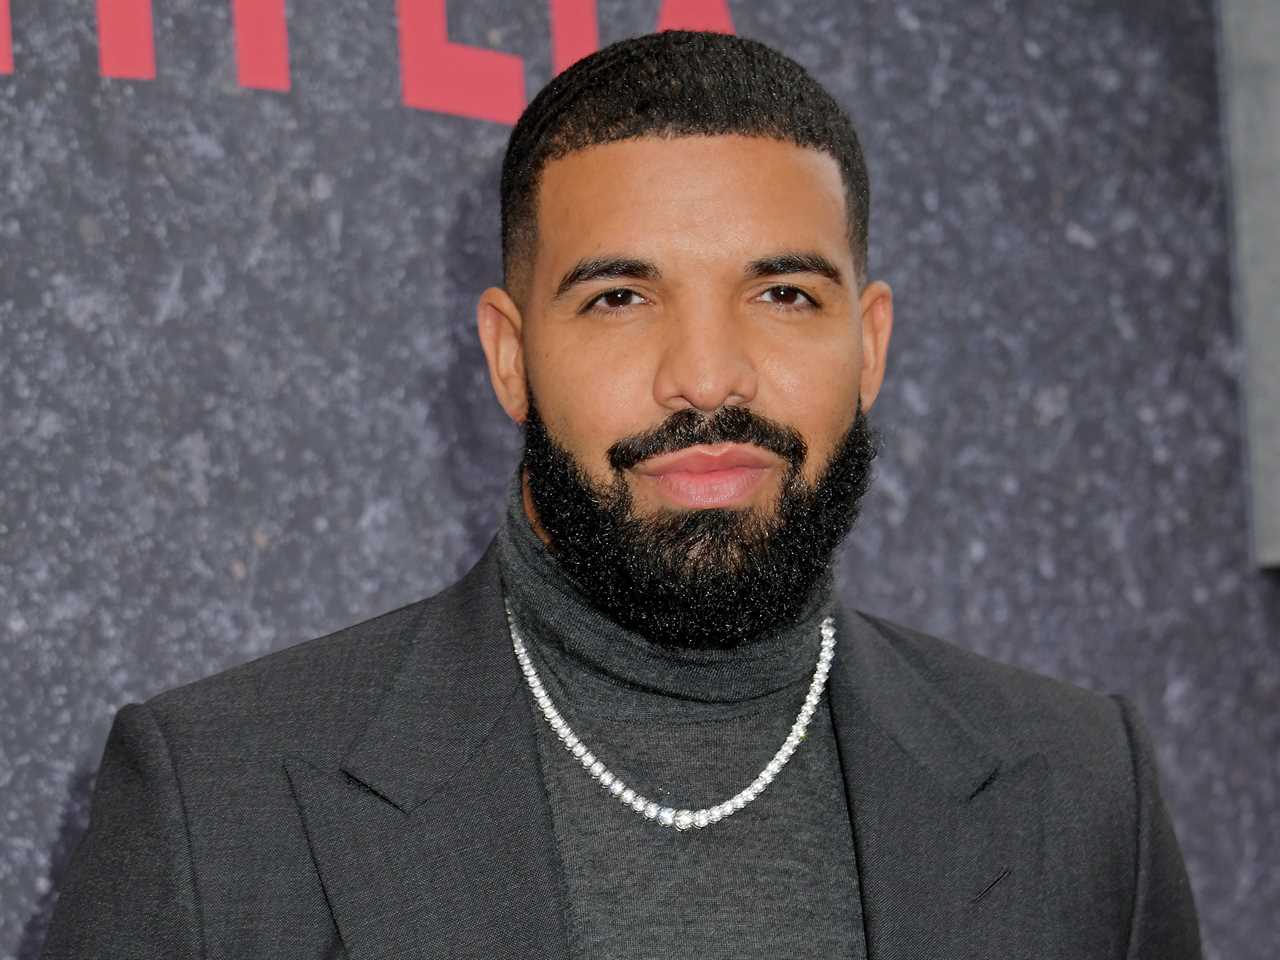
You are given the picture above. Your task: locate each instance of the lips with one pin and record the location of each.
(706, 458)
(722, 475)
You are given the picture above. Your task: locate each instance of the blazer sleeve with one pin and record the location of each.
(1163, 924)
(129, 891)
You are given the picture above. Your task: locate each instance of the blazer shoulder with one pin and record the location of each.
(332, 660)
(315, 696)
(1028, 710)
(1105, 829)
(369, 649)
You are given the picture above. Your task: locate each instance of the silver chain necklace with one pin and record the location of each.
(669, 816)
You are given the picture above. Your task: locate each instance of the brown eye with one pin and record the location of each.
(617, 298)
(785, 296)
(614, 299)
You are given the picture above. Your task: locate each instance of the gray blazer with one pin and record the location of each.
(377, 793)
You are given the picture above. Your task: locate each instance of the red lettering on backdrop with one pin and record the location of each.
(126, 44)
(436, 74)
(695, 15)
(262, 44)
(575, 32)
(6, 39)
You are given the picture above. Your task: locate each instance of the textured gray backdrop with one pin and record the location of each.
(241, 405)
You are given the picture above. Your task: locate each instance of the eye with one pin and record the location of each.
(784, 296)
(616, 299)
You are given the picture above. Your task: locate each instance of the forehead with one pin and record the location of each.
(704, 194)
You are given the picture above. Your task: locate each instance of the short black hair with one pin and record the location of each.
(671, 84)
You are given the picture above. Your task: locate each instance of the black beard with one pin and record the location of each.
(702, 578)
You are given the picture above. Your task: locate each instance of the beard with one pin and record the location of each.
(699, 578)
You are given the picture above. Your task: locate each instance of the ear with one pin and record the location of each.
(501, 329)
(876, 308)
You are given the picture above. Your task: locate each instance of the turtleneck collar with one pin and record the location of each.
(551, 610)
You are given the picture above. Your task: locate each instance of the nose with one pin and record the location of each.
(705, 362)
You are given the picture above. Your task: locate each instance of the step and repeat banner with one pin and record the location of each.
(241, 402)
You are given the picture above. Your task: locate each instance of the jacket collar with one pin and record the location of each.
(947, 816)
(874, 681)
(441, 808)
(435, 836)
(459, 674)
(457, 678)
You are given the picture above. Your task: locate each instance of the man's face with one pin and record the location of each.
(677, 278)
(714, 322)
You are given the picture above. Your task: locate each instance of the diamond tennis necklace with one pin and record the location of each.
(669, 816)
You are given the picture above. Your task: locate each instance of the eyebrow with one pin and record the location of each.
(793, 262)
(607, 268)
(629, 268)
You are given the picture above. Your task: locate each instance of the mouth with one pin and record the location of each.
(709, 475)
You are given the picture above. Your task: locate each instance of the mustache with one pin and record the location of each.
(688, 428)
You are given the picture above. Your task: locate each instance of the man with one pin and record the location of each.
(643, 725)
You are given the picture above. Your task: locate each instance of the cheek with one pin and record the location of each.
(590, 398)
(818, 395)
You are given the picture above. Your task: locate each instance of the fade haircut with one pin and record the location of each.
(677, 83)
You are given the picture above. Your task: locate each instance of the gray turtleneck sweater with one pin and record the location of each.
(687, 729)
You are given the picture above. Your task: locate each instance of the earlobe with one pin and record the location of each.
(500, 327)
(876, 305)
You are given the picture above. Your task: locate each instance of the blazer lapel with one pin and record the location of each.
(435, 837)
(946, 818)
